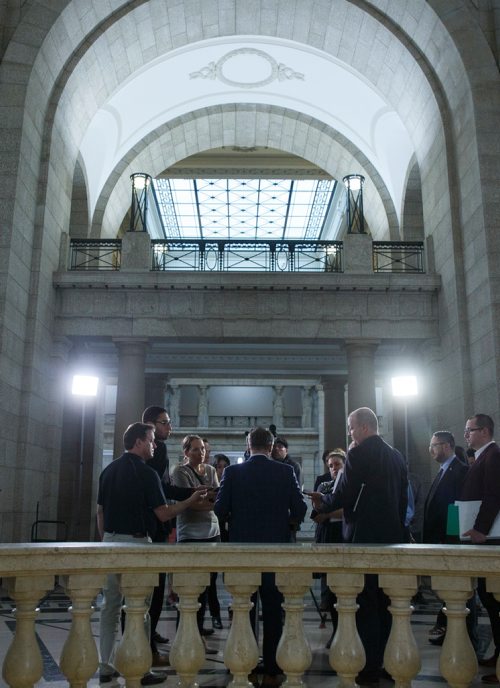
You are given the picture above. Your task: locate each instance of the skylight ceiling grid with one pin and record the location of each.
(247, 209)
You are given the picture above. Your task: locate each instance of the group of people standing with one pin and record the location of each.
(133, 506)
(363, 498)
(373, 494)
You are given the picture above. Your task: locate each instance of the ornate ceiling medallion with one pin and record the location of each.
(261, 68)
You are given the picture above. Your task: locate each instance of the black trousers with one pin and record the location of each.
(156, 607)
(492, 606)
(272, 621)
(373, 621)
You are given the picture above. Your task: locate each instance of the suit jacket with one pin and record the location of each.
(483, 482)
(373, 492)
(436, 508)
(259, 498)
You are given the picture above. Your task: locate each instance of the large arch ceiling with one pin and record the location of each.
(251, 71)
(354, 37)
(244, 125)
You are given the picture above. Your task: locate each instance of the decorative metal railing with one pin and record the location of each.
(95, 254)
(398, 256)
(28, 572)
(248, 256)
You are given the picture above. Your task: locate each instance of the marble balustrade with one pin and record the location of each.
(28, 572)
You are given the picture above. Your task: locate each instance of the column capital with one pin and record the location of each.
(362, 343)
(131, 345)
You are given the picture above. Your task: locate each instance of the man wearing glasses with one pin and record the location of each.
(158, 416)
(483, 483)
(444, 490)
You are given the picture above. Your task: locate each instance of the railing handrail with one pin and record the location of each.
(250, 242)
(31, 559)
(28, 572)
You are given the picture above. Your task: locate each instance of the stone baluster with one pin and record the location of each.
(493, 586)
(188, 651)
(79, 658)
(23, 664)
(294, 654)
(241, 654)
(457, 663)
(133, 656)
(401, 657)
(347, 655)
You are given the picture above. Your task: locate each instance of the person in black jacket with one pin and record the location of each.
(158, 416)
(444, 490)
(373, 492)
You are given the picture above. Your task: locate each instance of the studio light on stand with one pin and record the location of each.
(405, 386)
(141, 183)
(83, 386)
(354, 208)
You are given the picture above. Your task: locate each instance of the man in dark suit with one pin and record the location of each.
(445, 489)
(259, 498)
(373, 492)
(483, 483)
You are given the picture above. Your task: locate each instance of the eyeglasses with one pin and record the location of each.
(468, 431)
(162, 422)
(436, 444)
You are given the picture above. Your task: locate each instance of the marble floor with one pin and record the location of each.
(53, 623)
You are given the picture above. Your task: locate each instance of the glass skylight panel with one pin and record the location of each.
(244, 209)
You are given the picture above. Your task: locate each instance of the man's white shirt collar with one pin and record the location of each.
(479, 451)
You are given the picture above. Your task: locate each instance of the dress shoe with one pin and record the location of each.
(207, 631)
(488, 661)
(217, 623)
(152, 678)
(107, 678)
(159, 638)
(386, 675)
(490, 679)
(436, 635)
(209, 650)
(160, 659)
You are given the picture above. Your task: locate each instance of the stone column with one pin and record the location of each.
(136, 252)
(334, 415)
(174, 404)
(130, 393)
(202, 406)
(278, 407)
(307, 402)
(360, 373)
(358, 253)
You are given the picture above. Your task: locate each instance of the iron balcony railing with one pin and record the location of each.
(251, 256)
(95, 254)
(398, 256)
(248, 256)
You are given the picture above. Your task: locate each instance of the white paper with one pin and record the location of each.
(467, 513)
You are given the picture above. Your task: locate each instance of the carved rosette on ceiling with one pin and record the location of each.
(247, 61)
